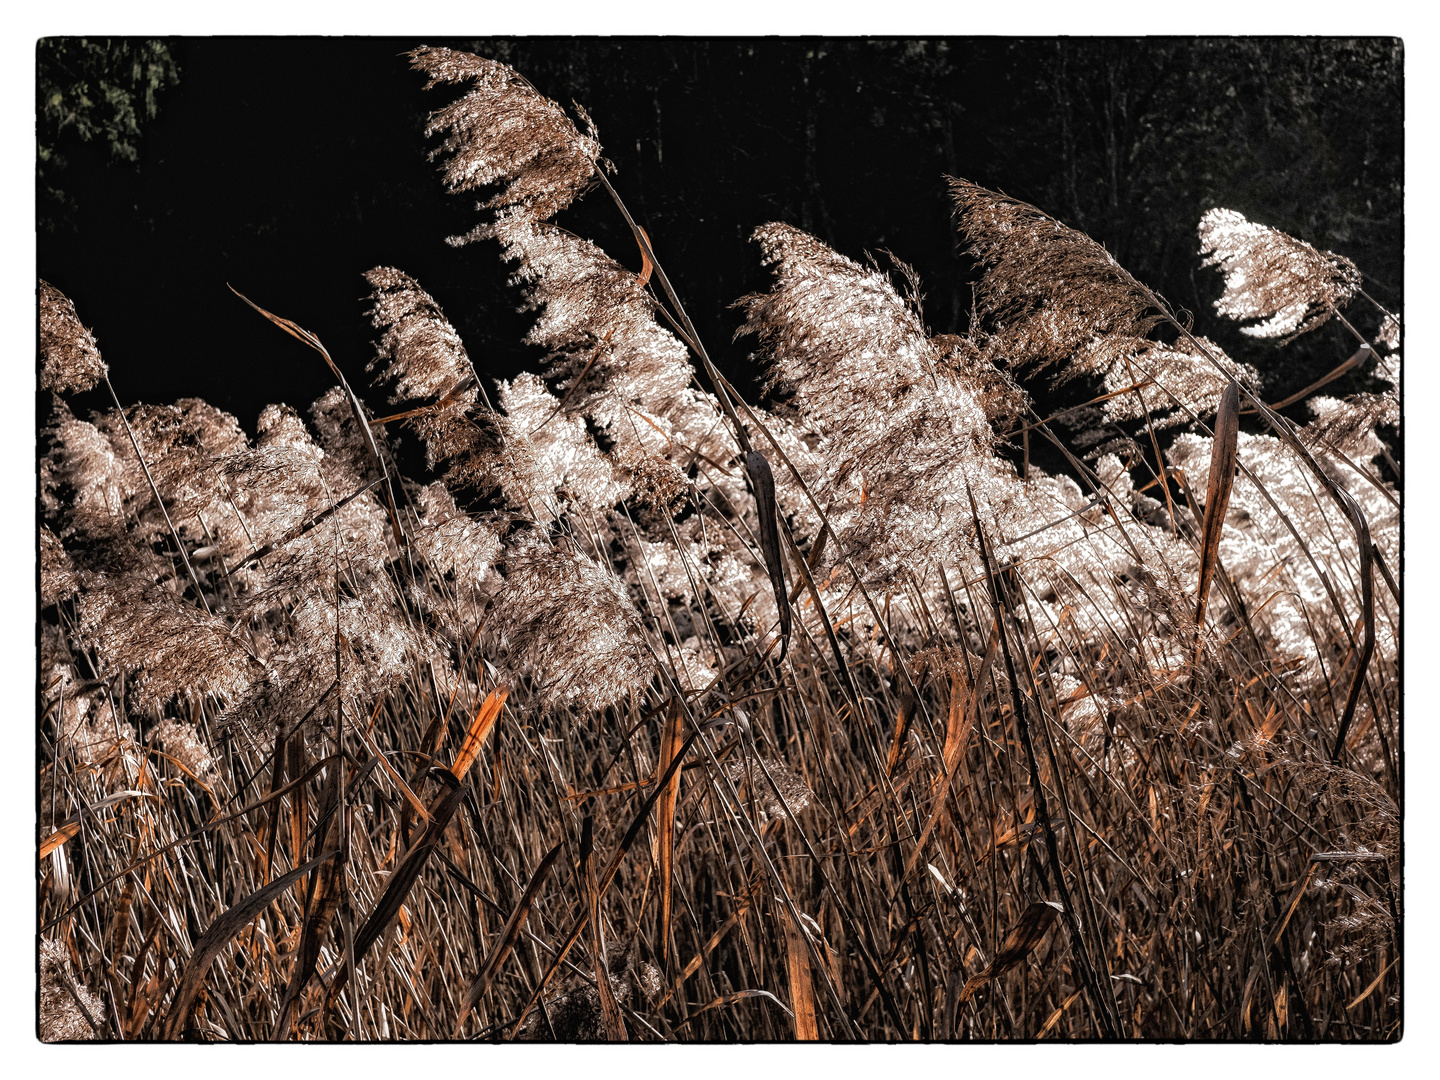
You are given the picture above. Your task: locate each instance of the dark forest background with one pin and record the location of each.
(289, 166)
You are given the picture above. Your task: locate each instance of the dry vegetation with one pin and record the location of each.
(659, 715)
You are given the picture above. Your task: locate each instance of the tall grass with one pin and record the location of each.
(656, 714)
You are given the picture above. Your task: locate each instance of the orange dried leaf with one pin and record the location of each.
(802, 991)
(479, 731)
(58, 837)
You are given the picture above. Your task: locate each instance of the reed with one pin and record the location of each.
(647, 712)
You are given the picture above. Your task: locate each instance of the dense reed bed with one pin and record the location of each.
(647, 712)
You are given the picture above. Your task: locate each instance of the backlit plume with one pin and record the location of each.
(1050, 296)
(902, 433)
(615, 363)
(1270, 276)
(422, 356)
(64, 1008)
(69, 358)
(502, 131)
(1175, 383)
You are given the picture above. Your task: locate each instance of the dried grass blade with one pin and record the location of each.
(802, 991)
(1217, 492)
(60, 836)
(1374, 983)
(442, 810)
(1054, 1017)
(812, 561)
(395, 777)
(323, 901)
(1027, 933)
(903, 715)
(299, 808)
(609, 1009)
(1358, 357)
(709, 947)
(610, 871)
(731, 999)
(1029, 930)
(137, 1009)
(138, 863)
(485, 718)
(1367, 603)
(323, 905)
(398, 887)
(218, 935)
(1295, 898)
(960, 723)
(508, 936)
(665, 821)
(120, 925)
(297, 331)
(72, 825)
(762, 480)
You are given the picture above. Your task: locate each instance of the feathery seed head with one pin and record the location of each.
(69, 358)
(550, 457)
(57, 571)
(1178, 381)
(183, 743)
(503, 131)
(60, 1017)
(900, 434)
(1270, 276)
(173, 647)
(622, 370)
(570, 621)
(452, 541)
(87, 479)
(419, 350)
(1049, 295)
(1389, 332)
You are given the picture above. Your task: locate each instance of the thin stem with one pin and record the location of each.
(693, 338)
(190, 570)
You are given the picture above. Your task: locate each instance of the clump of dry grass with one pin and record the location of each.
(328, 753)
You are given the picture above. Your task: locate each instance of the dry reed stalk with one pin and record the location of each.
(402, 879)
(218, 935)
(614, 1023)
(508, 936)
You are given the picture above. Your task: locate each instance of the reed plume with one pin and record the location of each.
(570, 621)
(502, 131)
(1050, 296)
(69, 357)
(1287, 284)
(902, 431)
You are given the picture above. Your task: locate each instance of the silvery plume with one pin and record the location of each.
(1270, 276)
